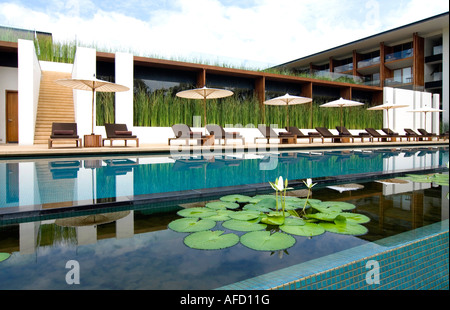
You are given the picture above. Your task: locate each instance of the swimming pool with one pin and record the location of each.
(46, 183)
(131, 246)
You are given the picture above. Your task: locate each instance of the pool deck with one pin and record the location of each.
(15, 150)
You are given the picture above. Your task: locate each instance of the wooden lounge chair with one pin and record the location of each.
(376, 135)
(268, 133)
(429, 136)
(118, 132)
(221, 134)
(64, 131)
(184, 132)
(326, 134)
(394, 135)
(300, 135)
(343, 131)
(411, 134)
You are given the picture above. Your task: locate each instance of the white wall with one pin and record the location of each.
(8, 81)
(401, 118)
(29, 80)
(124, 63)
(84, 67)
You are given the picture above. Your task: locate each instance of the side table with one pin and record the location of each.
(92, 140)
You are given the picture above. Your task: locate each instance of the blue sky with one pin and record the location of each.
(253, 33)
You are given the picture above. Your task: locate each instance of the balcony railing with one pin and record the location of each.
(368, 62)
(343, 68)
(399, 55)
(398, 80)
(339, 77)
(372, 83)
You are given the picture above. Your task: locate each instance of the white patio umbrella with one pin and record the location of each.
(387, 107)
(341, 103)
(287, 100)
(426, 110)
(93, 85)
(204, 93)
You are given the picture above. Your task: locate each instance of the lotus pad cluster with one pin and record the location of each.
(258, 223)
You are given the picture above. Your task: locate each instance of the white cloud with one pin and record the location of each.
(269, 31)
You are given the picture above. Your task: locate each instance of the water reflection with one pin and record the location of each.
(134, 249)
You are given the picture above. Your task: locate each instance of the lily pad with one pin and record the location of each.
(273, 218)
(243, 225)
(196, 212)
(347, 229)
(191, 225)
(355, 217)
(306, 230)
(294, 221)
(265, 241)
(222, 205)
(329, 217)
(337, 204)
(245, 215)
(236, 198)
(211, 240)
(255, 207)
(4, 256)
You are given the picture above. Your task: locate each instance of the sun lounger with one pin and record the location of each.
(184, 132)
(427, 135)
(221, 134)
(64, 131)
(343, 131)
(376, 135)
(268, 133)
(326, 134)
(394, 135)
(411, 134)
(300, 135)
(118, 132)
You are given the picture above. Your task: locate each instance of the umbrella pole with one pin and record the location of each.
(93, 92)
(204, 111)
(287, 115)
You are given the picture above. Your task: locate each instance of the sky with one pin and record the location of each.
(247, 33)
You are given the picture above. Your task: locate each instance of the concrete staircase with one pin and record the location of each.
(55, 105)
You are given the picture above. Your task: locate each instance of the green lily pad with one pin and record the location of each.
(191, 225)
(294, 221)
(265, 241)
(255, 207)
(219, 217)
(211, 240)
(347, 229)
(337, 204)
(196, 212)
(4, 256)
(306, 230)
(273, 218)
(245, 215)
(243, 225)
(355, 217)
(329, 217)
(222, 205)
(326, 209)
(236, 198)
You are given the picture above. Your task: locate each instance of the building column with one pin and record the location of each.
(124, 64)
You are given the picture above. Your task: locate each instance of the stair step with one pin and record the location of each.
(55, 105)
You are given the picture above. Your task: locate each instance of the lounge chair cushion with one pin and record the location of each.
(63, 132)
(123, 132)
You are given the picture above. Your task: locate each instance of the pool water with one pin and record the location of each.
(136, 250)
(48, 182)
